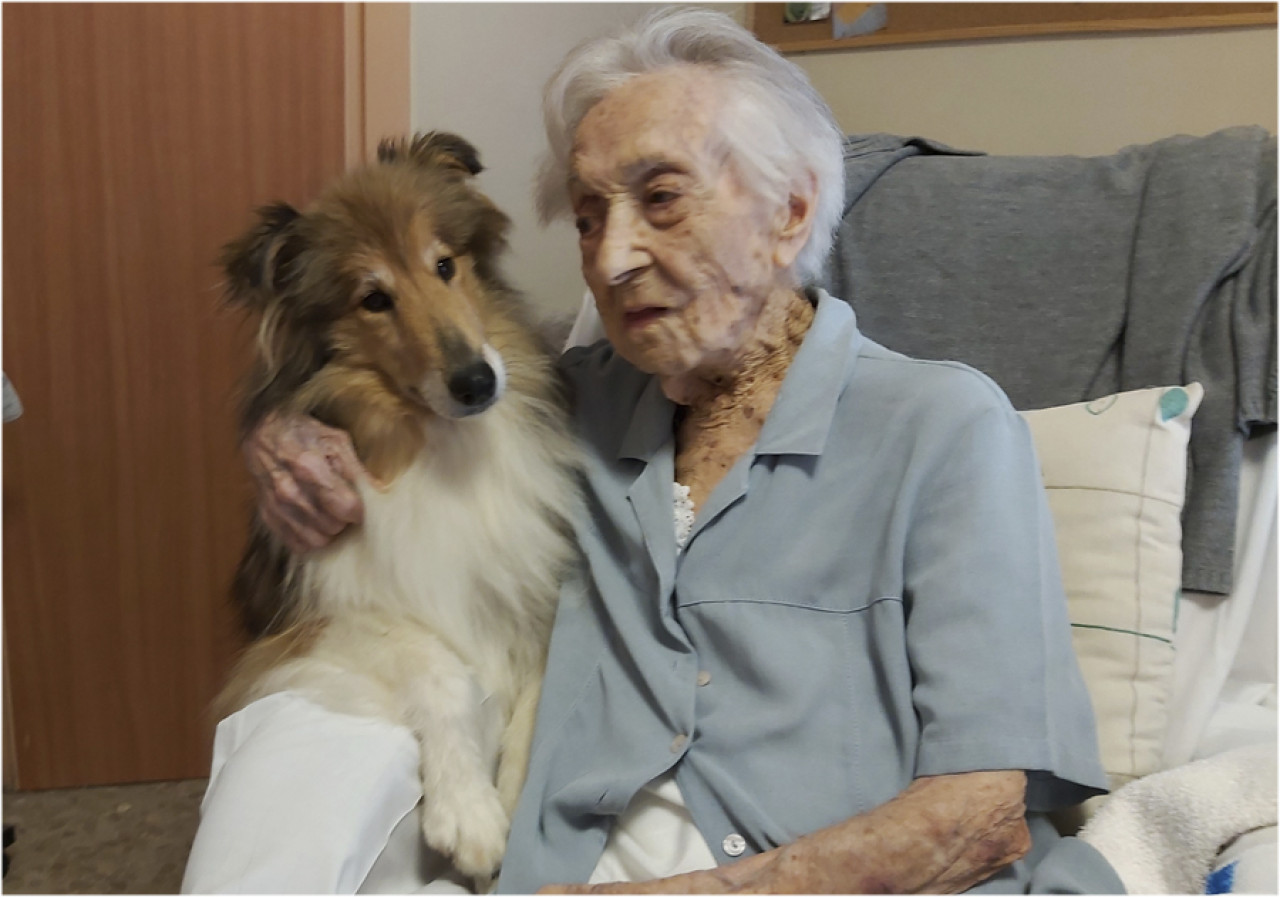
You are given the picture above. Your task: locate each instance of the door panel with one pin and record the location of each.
(137, 139)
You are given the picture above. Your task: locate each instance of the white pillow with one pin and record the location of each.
(1115, 471)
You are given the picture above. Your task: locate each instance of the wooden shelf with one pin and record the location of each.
(920, 23)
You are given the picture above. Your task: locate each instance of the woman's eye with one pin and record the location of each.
(584, 225)
(661, 197)
(377, 300)
(446, 269)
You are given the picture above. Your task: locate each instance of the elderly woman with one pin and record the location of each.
(850, 668)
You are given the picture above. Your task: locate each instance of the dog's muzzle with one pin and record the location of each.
(469, 390)
(474, 386)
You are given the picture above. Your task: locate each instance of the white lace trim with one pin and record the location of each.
(683, 507)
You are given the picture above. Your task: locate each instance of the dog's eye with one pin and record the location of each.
(446, 269)
(377, 301)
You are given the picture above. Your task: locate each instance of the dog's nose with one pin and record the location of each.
(473, 385)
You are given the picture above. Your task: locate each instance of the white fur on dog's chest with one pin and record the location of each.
(460, 542)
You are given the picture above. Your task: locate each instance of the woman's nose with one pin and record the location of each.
(623, 251)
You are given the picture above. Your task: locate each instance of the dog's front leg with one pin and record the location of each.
(462, 815)
(513, 762)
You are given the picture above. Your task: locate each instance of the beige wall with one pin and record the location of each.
(478, 68)
(1078, 95)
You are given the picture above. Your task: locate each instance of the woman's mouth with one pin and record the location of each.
(642, 317)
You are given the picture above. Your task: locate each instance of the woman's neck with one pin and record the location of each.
(724, 411)
(762, 359)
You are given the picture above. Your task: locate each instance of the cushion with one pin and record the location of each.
(1115, 472)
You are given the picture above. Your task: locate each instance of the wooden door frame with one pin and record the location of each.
(10, 739)
(378, 75)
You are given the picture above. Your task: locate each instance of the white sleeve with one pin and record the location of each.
(300, 799)
(587, 328)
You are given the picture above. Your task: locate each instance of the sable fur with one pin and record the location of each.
(375, 303)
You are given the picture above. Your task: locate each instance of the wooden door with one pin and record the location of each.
(137, 139)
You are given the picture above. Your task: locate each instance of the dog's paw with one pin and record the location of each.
(469, 825)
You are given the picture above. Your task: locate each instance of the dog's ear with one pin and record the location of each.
(261, 262)
(436, 149)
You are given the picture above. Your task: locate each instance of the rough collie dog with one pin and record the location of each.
(383, 313)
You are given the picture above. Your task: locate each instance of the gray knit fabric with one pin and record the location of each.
(1067, 278)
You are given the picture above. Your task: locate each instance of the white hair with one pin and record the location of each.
(775, 126)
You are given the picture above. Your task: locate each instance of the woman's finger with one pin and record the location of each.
(332, 498)
(340, 452)
(283, 527)
(308, 524)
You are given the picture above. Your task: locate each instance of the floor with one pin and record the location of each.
(118, 839)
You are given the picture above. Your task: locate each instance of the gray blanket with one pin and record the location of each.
(1068, 278)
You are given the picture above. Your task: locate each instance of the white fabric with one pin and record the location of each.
(587, 328)
(1224, 685)
(684, 513)
(300, 800)
(1163, 833)
(1247, 865)
(1115, 472)
(407, 865)
(653, 838)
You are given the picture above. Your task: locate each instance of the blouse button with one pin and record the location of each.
(734, 845)
(678, 743)
(704, 677)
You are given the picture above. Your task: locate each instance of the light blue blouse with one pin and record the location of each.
(870, 595)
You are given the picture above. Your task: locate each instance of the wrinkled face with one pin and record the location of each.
(678, 252)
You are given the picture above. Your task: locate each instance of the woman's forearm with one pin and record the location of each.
(942, 835)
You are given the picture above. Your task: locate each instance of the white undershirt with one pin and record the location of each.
(655, 836)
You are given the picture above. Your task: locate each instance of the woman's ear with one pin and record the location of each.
(795, 222)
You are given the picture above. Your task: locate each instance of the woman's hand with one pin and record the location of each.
(942, 835)
(305, 474)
